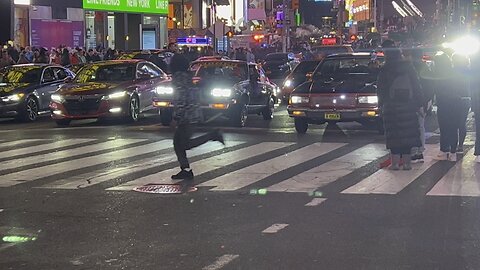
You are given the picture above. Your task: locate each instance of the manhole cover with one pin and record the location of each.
(165, 188)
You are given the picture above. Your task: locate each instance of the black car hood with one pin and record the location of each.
(7, 89)
(92, 88)
(353, 83)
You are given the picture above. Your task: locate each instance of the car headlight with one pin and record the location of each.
(299, 99)
(368, 99)
(466, 45)
(288, 83)
(221, 92)
(13, 98)
(57, 98)
(116, 95)
(164, 90)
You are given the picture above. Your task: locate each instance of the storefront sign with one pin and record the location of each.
(134, 6)
(193, 41)
(53, 33)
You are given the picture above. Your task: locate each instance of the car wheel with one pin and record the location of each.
(31, 110)
(165, 117)
(63, 122)
(133, 109)
(269, 110)
(301, 125)
(240, 116)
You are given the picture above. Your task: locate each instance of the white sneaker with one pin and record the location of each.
(452, 157)
(477, 159)
(441, 156)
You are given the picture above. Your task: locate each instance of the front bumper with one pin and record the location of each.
(10, 110)
(323, 115)
(105, 109)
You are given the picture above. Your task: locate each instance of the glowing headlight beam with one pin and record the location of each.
(466, 45)
(399, 9)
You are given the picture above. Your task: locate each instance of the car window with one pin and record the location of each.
(155, 71)
(106, 73)
(146, 70)
(220, 70)
(48, 76)
(21, 74)
(60, 73)
(254, 72)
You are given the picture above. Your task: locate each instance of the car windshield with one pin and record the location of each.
(341, 67)
(231, 71)
(25, 74)
(106, 73)
(305, 67)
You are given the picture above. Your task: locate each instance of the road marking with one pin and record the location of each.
(275, 228)
(316, 201)
(249, 175)
(463, 179)
(66, 166)
(331, 171)
(30, 160)
(206, 165)
(19, 142)
(103, 175)
(221, 262)
(386, 181)
(43, 147)
(5, 246)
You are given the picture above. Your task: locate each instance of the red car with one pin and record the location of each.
(118, 88)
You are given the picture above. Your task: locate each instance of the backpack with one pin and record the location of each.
(401, 88)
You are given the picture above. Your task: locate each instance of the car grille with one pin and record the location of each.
(82, 105)
(333, 101)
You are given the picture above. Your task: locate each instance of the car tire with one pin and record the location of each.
(133, 109)
(301, 125)
(269, 110)
(240, 116)
(165, 117)
(63, 122)
(31, 110)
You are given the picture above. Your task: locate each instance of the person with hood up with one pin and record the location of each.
(400, 98)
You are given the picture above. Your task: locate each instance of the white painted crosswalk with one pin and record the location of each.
(124, 164)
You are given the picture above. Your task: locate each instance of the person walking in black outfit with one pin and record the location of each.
(186, 114)
(400, 98)
(461, 65)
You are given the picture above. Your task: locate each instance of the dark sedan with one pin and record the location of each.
(25, 89)
(118, 88)
(228, 88)
(279, 65)
(342, 89)
(299, 75)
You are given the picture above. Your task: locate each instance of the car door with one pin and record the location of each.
(256, 88)
(145, 85)
(49, 84)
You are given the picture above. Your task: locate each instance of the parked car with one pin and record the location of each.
(116, 88)
(229, 88)
(300, 74)
(342, 89)
(25, 89)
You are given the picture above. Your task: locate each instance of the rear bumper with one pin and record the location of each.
(321, 115)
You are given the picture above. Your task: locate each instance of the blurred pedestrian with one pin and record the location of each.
(5, 59)
(461, 66)
(186, 114)
(400, 98)
(23, 59)
(449, 104)
(65, 58)
(92, 56)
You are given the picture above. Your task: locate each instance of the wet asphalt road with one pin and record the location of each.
(270, 199)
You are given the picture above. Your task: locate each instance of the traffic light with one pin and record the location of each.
(295, 4)
(229, 34)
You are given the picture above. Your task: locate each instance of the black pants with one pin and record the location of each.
(449, 122)
(401, 151)
(182, 141)
(477, 134)
(462, 128)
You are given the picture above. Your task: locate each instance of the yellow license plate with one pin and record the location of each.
(332, 116)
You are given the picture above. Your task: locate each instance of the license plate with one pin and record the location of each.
(332, 116)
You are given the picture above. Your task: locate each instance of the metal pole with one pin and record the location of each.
(214, 29)
(284, 28)
(375, 14)
(183, 15)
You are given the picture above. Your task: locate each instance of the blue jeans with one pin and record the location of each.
(421, 124)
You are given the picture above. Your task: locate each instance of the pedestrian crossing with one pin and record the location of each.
(120, 165)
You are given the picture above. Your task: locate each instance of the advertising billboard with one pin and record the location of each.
(134, 6)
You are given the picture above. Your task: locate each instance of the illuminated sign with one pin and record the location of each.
(193, 41)
(134, 6)
(22, 2)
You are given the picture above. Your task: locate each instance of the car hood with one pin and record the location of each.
(14, 88)
(92, 88)
(350, 84)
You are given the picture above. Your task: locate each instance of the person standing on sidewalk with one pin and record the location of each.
(400, 98)
(186, 115)
(461, 65)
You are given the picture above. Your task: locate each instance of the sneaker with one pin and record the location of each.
(218, 137)
(452, 157)
(418, 158)
(183, 175)
(460, 150)
(441, 156)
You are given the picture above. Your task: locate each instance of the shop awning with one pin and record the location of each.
(222, 2)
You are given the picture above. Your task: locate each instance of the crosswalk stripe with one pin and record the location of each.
(386, 181)
(19, 142)
(100, 176)
(249, 175)
(66, 166)
(463, 179)
(15, 163)
(43, 147)
(331, 171)
(206, 165)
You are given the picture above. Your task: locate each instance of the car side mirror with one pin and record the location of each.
(68, 79)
